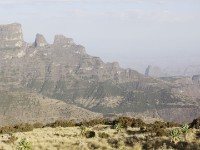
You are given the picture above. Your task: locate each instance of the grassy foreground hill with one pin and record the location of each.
(120, 133)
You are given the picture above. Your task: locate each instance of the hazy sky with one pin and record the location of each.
(134, 32)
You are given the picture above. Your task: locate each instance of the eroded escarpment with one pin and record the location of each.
(64, 71)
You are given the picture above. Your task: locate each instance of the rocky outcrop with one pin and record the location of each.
(61, 40)
(154, 71)
(11, 36)
(40, 41)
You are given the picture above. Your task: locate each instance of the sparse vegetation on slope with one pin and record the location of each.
(102, 135)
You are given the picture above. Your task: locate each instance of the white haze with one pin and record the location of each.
(135, 33)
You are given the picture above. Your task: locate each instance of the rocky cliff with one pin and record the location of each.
(155, 71)
(11, 36)
(40, 41)
(64, 71)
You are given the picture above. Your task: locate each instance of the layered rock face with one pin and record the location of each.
(61, 40)
(64, 71)
(11, 36)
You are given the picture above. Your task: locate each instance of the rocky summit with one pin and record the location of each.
(39, 76)
(11, 36)
(40, 41)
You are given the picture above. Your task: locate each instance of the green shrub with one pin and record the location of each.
(24, 145)
(175, 135)
(185, 129)
(83, 129)
(118, 127)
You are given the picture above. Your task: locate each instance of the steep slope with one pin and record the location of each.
(20, 107)
(64, 71)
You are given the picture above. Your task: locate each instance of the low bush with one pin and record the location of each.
(187, 146)
(103, 135)
(195, 123)
(138, 123)
(93, 146)
(172, 124)
(6, 129)
(96, 122)
(157, 129)
(38, 125)
(158, 145)
(23, 127)
(159, 124)
(124, 121)
(113, 142)
(129, 122)
(131, 140)
(89, 134)
(160, 132)
(61, 123)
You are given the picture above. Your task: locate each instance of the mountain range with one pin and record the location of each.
(46, 82)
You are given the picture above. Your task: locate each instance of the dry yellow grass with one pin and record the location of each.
(137, 146)
(60, 138)
(70, 138)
